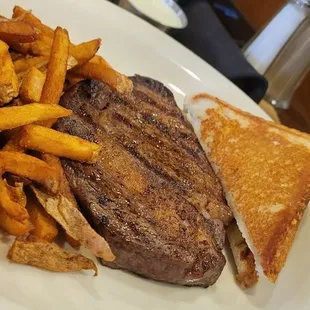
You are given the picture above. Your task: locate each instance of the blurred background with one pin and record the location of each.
(258, 13)
(219, 31)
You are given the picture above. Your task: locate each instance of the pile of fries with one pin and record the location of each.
(36, 63)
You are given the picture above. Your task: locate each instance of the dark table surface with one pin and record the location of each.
(258, 12)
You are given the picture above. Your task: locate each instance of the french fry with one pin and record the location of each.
(81, 52)
(73, 79)
(30, 91)
(57, 68)
(60, 144)
(90, 70)
(33, 251)
(32, 168)
(41, 47)
(32, 85)
(16, 56)
(43, 58)
(101, 61)
(45, 227)
(12, 144)
(12, 117)
(85, 51)
(39, 62)
(22, 48)
(74, 243)
(74, 223)
(12, 226)
(13, 200)
(9, 134)
(72, 62)
(21, 14)
(17, 179)
(64, 189)
(21, 65)
(17, 31)
(16, 102)
(43, 69)
(21, 77)
(8, 77)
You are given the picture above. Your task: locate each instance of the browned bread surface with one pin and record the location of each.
(265, 171)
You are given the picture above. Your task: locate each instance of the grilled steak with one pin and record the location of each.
(152, 194)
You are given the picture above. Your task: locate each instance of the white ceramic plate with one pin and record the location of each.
(133, 46)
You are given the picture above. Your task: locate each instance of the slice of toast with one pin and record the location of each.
(264, 169)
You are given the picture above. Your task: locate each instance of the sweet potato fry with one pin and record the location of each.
(12, 117)
(17, 31)
(21, 65)
(32, 85)
(12, 226)
(60, 144)
(32, 168)
(64, 189)
(85, 51)
(74, 223)
(32, 251)
(104, 73)
(57, 68)
(21, 14)
(8, 77)
(13, 200)
(45, 227)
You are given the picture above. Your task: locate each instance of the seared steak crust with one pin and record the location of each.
(152, 194)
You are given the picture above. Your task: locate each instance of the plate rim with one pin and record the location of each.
(185, 50)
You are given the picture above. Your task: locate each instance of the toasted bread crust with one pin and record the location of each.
(265, 171)
(276, 251)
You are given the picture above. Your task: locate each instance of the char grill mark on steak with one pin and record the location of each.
(152, 185)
